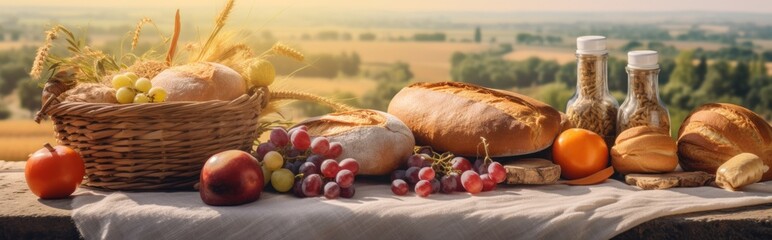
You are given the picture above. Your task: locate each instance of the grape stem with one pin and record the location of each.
(484, 143)
(441, 163)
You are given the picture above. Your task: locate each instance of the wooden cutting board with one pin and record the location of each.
(670, 180)
(532, 171)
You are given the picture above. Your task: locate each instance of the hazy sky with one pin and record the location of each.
(759, 6)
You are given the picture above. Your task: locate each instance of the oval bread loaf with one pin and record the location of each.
(644, 149)
(452, 116)
(201, 81)
(714, 133)
(378, 141)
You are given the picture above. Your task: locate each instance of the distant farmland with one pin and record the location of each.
(19, 138)
(429, 61)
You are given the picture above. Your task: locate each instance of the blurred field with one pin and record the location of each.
(6, 45)
(692, 45)
(326, 87)
(19, 138)
(561, 55)
(429, 61)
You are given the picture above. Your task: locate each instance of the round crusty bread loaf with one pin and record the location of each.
(201, 81)
(452, 116)
(644, 149)
(378, 141)
(713, 133)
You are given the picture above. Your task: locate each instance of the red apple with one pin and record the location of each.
(230, 178)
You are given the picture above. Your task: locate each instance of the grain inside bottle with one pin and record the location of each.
(592, 107)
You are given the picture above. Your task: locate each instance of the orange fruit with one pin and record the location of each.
(580, 153)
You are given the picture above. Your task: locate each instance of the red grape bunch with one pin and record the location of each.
(292, 160)
(429, 172)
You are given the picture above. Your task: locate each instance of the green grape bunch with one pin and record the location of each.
(131, 88)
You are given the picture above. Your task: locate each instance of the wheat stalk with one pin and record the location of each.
(293, 95)
(42, 54)
(284, 50)
(94, 54)
(228, 52)
(223, 16)
(138, 30)
(218, 25)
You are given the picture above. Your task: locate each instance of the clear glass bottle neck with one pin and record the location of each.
(642, 84)
(592, 74)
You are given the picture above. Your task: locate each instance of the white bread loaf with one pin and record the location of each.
(378, 141)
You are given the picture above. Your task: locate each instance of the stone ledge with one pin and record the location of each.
(754, 222)
(24, 216)
(37, 227)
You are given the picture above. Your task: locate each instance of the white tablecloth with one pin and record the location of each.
(523, 212)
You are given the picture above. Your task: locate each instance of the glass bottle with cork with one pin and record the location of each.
(642, 107)
(592, 107)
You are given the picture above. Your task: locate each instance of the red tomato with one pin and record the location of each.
(580, 153)
(54, 172)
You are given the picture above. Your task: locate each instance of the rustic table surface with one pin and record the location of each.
(24, 216)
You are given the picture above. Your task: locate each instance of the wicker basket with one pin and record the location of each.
(159, 146)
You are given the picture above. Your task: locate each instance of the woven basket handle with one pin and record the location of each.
(266, 97)
(55, 86)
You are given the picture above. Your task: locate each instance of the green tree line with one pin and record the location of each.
(535, 39)
(14, 69)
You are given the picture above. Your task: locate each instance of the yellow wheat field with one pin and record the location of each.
(429, 61)
(19, 138)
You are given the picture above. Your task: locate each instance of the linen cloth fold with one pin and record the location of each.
(522, 212)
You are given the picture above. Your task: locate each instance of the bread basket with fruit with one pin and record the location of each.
(147, 122)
